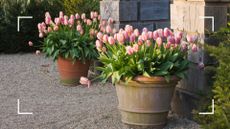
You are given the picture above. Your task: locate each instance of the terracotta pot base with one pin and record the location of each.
(70, 73)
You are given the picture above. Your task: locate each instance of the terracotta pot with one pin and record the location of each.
(70, 72)
(145, 101)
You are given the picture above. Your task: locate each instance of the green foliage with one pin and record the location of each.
(147, 61)
(221, 87)
(81, 6)
(13, 41)
(69, 42)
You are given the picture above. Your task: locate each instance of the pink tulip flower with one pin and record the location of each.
(108, 29)
(41, 35)
(144, 36)
(140, 41)
(79, 28)
(132, 37)
(40, 27)
(30, 43)
(85, 81)
(148, 43)
(125, 34)
(49, 29)
(155, 35)
(37, 52)
(77, 16)
(177, 40)
(160, 32)
(57, 21)
(110, 21)
(129, 50)
(61, 14)
(99, 17)
(129, 29)
(47, 14)
(71, 21)
(144, 29)
(194, 48)
(150, 34)
(115, 36)
(120, 38)
(92, 15)
(159, 41)
(136, 32)
(105, 38)
(171, 39)
(83, 16)
(99, 45)
(100, 36)
(72, 16)
(47, 20)
(95, 14)
(135, 47)
(166, 32)
(56, 28)
(184, 46)
(89, 22)
(111, 40)
(191, 38)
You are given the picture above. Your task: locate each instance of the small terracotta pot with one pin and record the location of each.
(145, 101)
(70, 72)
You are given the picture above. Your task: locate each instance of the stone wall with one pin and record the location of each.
(152, 14)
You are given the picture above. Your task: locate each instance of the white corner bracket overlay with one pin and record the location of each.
(213, 21)
(22, 17)
(209, 113)
(23, 113)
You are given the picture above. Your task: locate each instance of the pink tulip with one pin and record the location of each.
(114, 30)
(47, 20)
(179, 34)
(150, 35)
(115, 36)
(171, 39)
(66, 20)
(140, 41)
(166, 32)
(159, 41)
(120, 38)
(194, 48)
(110, 21)
(61, 14)
(144, 29)
(108, 29)
(136, 32)
(103, 49)
(95, 14)
(102, 29)
(144, 36)
(135, 47)
(37, 52)
(155, 35)
(184, 47)
(79, 28)
(57, 21)
(99, 44)
(72, 16)
(85, 81)
(105, 38)
(30, 43)
(100, 36)
(129, 29)
(77, 16)
(177, 40)
(71, 21)
(49, 29)
(132, 37)
(83, 16)
(129, 50)
(111, 40)
(148, 43)
(47, 14)
(40, 27)
(168, 45)
(89, 22)
(92, 15)
(160, 32)
(125, 34)
(99, 17)
(41, 35)
(191, 38)
(56, 28)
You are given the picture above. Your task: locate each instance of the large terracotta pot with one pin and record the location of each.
(70, 72)
(145, 101)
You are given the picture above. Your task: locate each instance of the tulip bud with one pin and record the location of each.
(194, 48)
(155, 35)
(108, 29)
(120, 38)
(100, 36)
(129, 50)
(77, 16)
(30, 43)
(37, 52)
(105, 38)
(111, 40)
(136, 32)
(159, 41)
(135, 47)
(83, 16)
(56, 28)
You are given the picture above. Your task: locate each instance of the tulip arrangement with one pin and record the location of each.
(130, 53)
(70, 37)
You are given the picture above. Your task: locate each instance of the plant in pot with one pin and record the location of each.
(70, 41)
(145, 68)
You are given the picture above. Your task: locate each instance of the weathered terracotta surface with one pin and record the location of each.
(70, 72)
(145, 101)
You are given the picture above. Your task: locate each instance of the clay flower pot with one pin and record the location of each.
(145, 101)
(70, 72)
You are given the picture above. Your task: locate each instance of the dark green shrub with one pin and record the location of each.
(221, 86)
(81, 6)
(13, 41)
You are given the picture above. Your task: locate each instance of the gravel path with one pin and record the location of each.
(34, 81)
